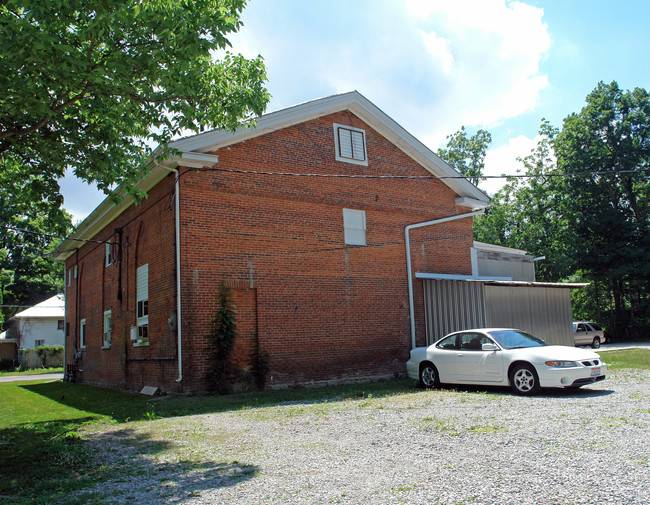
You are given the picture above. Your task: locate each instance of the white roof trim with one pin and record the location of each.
(453, 277)
(492, 247)
(500, 281)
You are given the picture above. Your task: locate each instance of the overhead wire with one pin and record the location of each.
(348, 176)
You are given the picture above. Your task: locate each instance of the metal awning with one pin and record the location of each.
(500, 281)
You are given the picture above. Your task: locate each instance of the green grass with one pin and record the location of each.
(35, 371)
(626, 358)
(42, 452)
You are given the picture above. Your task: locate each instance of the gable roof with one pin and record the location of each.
(194, 151)
(361, 107)
(51, 308)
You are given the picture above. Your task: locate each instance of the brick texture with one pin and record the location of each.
(323, 310)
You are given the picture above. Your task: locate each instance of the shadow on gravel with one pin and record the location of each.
(51, 463)
(123, 407)
(583, 392)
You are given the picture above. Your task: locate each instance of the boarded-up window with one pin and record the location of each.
(354, 226)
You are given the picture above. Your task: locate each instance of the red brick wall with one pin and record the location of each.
(323, 310)
(147, 238)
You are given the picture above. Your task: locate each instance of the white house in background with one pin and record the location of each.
(42, 324)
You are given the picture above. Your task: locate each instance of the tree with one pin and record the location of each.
(92, 85)
(467, 154)
(28, 275)
(606, 149)
(530, 212)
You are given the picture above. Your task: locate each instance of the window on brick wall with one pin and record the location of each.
(350, 144)
(354, 226)
(142, 308)
(82, 334)
(108, 253)
(106, 343)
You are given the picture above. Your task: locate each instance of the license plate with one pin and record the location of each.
(595, 371)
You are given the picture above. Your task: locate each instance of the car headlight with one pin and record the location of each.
(561, 364)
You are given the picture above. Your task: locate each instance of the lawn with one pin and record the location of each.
(35, 371)
(45, 421)
(626, 358)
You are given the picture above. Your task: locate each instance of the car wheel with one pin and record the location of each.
(596, 343)
(524, 379)
(429, 375)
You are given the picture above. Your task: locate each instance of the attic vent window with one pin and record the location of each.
(350, 144)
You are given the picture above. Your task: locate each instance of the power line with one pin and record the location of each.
(416, 177)
(50, 235)
(351, 176)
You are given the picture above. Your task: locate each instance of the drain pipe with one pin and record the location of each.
(196, 160)
(177, 235)
(408, 259)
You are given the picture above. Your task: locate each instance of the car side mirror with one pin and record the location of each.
(488, 346)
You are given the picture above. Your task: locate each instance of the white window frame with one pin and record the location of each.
(142, 305)
(360, 157)
(354, 227)
(82, 334)
(69, 277)
(75, 270)
(108, 326)
(108, 253)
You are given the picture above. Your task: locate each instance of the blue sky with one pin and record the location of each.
(434, 66)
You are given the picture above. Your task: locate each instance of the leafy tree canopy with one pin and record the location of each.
(28, 274)
(606, 146)
(467, 153)
(92, 85)
(530, 213)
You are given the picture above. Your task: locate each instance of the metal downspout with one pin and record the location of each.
(408, 259)
(177, 235)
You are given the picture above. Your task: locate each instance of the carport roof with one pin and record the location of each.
(500, 281)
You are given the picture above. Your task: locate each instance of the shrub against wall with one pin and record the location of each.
(41, 357)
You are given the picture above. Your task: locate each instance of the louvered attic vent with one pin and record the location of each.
(350, 144)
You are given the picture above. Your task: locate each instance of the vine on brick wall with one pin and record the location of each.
(224, 334)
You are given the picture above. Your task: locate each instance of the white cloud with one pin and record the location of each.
(438, 47)
(431, 65)
(503, 160)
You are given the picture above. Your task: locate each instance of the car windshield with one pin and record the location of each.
(511, 339)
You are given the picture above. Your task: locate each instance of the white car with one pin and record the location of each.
(504, 356)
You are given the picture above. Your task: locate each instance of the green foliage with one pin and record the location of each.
(606, 148)
(28, 275)
(467, 154)
(530, 213)
(93, 85)
(224, 334)
(587, 208)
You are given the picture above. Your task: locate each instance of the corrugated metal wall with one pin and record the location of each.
(542, 311)
(452, 305)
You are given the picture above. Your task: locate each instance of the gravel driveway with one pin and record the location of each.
(444, 446)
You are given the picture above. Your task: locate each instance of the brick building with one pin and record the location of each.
(304, 218)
